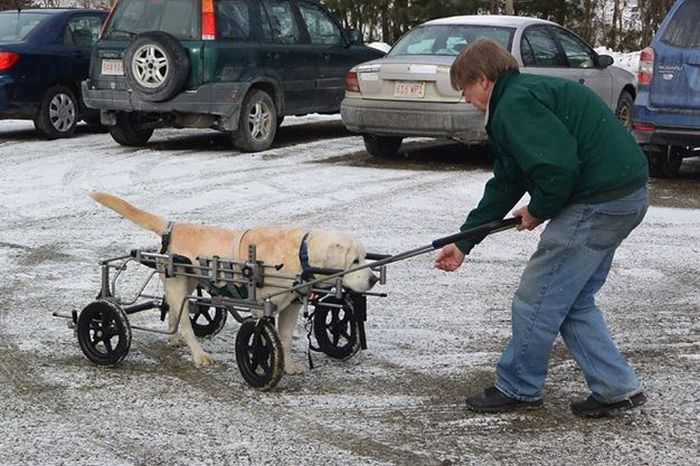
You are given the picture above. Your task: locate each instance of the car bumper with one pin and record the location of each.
(665, 127)
(459, 121)
(12, 103)
(219, 99)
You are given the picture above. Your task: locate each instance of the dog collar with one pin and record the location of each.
(165, 237)
(304, 256)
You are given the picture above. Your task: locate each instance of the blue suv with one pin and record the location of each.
(666, 115)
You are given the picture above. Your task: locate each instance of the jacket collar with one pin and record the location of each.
(499, 88)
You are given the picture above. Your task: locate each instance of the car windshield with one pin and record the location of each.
(16, 26)
(448, 39)
(684, 28)
(132, 17)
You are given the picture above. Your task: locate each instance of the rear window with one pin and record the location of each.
(176, 17)
(448, 39)
(17, 26)
(684, 28)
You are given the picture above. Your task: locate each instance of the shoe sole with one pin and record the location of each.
(503, 409)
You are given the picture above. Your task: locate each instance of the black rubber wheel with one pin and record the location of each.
(259, 354)
(104, 334)
(623, 111)
(382, 146)
(206, 320)
(336, 330)
(155, 66)
(664, 161)
(58, 113)
(129, 130)
(257, 123)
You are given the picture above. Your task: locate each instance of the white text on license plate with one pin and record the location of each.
(112, 67)
(409, 89)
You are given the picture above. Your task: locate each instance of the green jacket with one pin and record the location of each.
(558, 141)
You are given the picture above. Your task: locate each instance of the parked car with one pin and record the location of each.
(666, 116)
(238, 66)
(408, 92)
(44, 56)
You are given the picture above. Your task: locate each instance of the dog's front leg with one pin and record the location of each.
(287, 322)
(176, 291)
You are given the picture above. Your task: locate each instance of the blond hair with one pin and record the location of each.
(483, 57)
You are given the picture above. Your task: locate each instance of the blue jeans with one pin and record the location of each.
(556, 295)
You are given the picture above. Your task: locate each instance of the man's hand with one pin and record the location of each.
(527, 221)
(450, 258)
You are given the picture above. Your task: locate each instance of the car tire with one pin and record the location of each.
(155, 66)
(257, 124)
(664, 161)
(382, 146)
(58, 113)
(129, 131)
(623, 111)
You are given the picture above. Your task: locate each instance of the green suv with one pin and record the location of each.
(238, 66)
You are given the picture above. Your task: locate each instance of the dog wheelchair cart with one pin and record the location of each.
(334, 314)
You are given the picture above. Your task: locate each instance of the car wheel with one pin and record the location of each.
(664, 161)
(129, 130)
(382, 146)
(257, 124)
(624, 109)
(58, 113)
(155, 66)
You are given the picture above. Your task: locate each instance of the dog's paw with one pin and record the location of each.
(203, 359)
(293, 368)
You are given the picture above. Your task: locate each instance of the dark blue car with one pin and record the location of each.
(666, 115)
(44, 55)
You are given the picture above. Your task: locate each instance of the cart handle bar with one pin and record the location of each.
(484, 229)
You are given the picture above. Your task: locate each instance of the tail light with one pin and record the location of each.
(351, 82)
(646, 66)
(643, 127)
(7, 60)
(208, 20)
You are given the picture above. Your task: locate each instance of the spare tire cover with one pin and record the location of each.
(156, 66)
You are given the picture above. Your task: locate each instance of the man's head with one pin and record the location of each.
(477, 67)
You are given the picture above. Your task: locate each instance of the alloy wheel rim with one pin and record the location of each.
(150, 66)
(62, 112)
(260, 122)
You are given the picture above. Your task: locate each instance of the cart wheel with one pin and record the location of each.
(259, 354)
(206, 320)
(336, 329)
(104, 334)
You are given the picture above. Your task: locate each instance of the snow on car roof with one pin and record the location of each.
(490, 20)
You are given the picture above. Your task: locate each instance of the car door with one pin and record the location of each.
(79, 34)
(543, 53)
(287, 55)
(334, 57)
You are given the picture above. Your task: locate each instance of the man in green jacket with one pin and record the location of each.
(557, 141)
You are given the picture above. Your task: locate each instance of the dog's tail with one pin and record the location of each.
(140, 217)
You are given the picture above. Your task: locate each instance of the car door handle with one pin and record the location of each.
(273, 55)
(582, 81)
(326, 56)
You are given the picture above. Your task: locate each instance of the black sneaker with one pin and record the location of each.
(492, 400)
(590, 407)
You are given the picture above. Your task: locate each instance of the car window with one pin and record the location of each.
(684, 28)
(17, 26)
(278, 22)
(322, 29)
(538, 48)
(82, 31)
(233, 19)
(578, 54)
(448, 39)
(176, 17)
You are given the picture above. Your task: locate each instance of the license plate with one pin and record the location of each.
(409, 89)
(112, 67)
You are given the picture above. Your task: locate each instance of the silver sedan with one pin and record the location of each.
(408, 92)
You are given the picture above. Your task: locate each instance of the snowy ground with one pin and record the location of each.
(434, 339)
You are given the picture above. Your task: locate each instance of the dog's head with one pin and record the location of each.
(335, 250)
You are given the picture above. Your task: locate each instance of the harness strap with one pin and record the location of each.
(304, 255)
(237, 249)
(165, 237)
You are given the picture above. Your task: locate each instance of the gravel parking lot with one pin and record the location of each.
(435, 338)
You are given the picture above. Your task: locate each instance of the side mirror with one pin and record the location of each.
(354, 36)
(605, 60)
